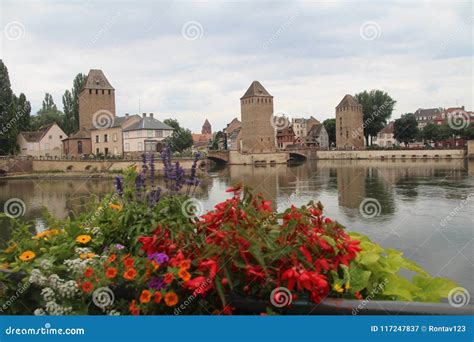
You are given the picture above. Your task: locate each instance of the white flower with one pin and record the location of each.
(48, 294)
(39, 312)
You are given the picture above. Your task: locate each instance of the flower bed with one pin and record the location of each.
(141, 251)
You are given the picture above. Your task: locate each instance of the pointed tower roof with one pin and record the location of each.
(97, 80)
(348, 101)
(256, 89)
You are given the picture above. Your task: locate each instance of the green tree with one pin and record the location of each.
(14, 113)
(330, 126)
(182, 138)
(377, 107)
(71, 104)
(48, 114)
(406, 128)
(70, 124)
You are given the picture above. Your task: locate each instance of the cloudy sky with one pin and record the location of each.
(195, 59)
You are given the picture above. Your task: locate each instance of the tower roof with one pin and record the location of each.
(256, 89)
(97, 80)
(348, 101)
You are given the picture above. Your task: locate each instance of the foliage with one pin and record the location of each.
(182, 138)
(375, 272)
(14, 113)
(71, 104)
(330, 126)
(143, 251)
(377, 107)
(406, 128)
(48, 114)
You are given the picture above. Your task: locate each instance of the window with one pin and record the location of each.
(139, 134)
(103, 92)
(46, 146)
(158, 134)
(79, 147)
(50, 137)
(115, 136)
(60, 137)
(125, 134)
(30, 147)
(90, 91)
(127, 147)
(109, 91)
(97, 139)
(150, 134)
(97, 91)
(97, 151)
(106, 137)
(140, 146)
(115, 150)
(106, 151)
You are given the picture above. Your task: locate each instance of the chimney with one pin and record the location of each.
(151, 115)
(144, 115)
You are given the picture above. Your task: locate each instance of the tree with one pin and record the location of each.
(330, 126)
(406, 128)
(71, 104)
(68, 109)
(181, 139)
(377, 107)
(48, 114)
(14, 113)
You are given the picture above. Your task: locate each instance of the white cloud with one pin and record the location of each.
(308, 55)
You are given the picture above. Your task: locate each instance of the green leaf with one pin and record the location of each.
(220, 289)
(359, 278)
(255, 251)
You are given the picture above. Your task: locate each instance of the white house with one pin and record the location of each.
(145, 135)
(45, 142)
(385, 136)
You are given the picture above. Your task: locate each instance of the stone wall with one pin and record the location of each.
(392, 154)
(237, 158)
(470, 149)
(96, 165)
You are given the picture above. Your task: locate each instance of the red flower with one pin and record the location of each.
(128, 262)
(130, 274)
(87, 286)
(168, 278)
(89, 272)
(199, 285)
(111, 272)
(158, 297)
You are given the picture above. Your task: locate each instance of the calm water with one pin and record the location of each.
(416, 200)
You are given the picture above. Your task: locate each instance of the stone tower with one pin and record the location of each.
(206, 128)
(98, 94)
(349, 121)
(256, 107)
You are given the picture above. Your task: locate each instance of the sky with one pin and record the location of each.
(193, 60)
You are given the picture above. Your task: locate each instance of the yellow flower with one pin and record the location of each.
(338, 288)
(87, 255)
(4, 266)
(10, 248)
(46, 233)
(83, 239)
(27, 256)
(117, 207)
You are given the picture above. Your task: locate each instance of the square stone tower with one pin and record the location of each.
(96, 102)
(258, 133)
(349, 123)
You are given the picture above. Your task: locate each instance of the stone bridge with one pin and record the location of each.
(221, 156)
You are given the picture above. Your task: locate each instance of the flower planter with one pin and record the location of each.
(336, 306)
